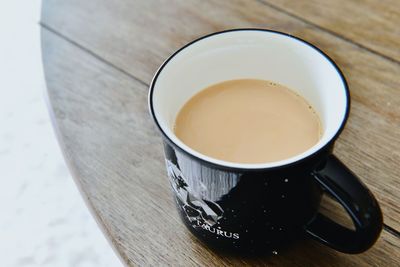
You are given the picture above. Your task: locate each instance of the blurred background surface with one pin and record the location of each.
(44, 221)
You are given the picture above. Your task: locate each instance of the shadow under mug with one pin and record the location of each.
(256, 207)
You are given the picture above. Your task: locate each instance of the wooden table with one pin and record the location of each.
(99, 58)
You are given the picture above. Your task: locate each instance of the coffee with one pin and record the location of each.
(248, 121)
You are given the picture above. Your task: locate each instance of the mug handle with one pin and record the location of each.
(341, 183)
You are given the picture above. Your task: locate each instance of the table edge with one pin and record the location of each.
(75, 177)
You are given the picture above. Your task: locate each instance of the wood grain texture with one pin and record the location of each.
(372, 23)
(136, 36)
(114, 149)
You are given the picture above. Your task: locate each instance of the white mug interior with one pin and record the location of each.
(256, 54)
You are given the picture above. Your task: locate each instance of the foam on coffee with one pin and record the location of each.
(248, 121)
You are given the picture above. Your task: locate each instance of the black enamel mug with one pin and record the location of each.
(253, 207)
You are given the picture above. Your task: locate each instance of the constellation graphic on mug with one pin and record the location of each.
(196, 209)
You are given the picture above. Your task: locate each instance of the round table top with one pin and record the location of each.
(99, 57)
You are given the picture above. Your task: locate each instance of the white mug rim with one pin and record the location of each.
(248, 166)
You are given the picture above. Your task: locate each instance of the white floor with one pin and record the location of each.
(43, 219)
